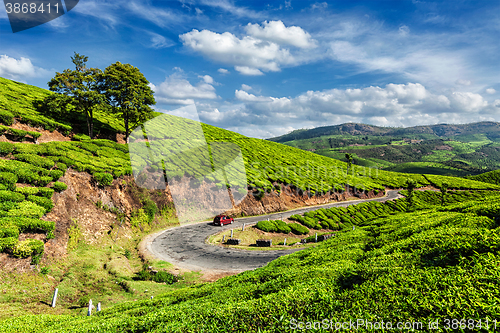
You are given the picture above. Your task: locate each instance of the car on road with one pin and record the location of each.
(223, 219)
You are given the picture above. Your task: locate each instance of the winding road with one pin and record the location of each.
(185, 246)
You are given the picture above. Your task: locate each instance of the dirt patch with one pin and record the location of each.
(47, 136)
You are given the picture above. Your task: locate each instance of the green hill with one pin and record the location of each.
(454, 150)
(431, 259)
(417, 267)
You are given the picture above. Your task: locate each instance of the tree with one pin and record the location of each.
(127, 91)
(83, 86)
(443, 188)
(411, 185)
(349, 159)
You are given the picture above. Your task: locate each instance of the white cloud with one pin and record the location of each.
(318, 5)
(275, 31)
(246, 97)
(249, 55)
(245, 70)
(231, 8)
(208, 79)
(160, 42)
(490, 91)
(392, 105)
(404, 30)
(177, 90)
(19, 68)
(223, 71)
(246, 87)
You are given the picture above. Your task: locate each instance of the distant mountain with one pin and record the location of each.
(443, 149)
(491, 129)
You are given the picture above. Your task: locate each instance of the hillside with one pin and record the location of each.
(455, 150)
(75, 199)
(417, 267)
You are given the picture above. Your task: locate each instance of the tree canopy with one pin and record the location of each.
(127, 91)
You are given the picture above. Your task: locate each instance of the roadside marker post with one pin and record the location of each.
(151, 297)
(98, 306)
(284, 242)
(223, 238)
(54, 299)
(89, 312)
(243, 228)
(316, 238)
(231, 233)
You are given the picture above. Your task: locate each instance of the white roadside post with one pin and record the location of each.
(243, 227)
(98, 306)
(284, 242)
(316, 238)
(89, 312)
(54, 298)
(223, 238)
(231, 233)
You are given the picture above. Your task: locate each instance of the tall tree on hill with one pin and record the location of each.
(349, 159)
(127, 91)
(83, 86)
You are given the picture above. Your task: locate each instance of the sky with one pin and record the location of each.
(265, 68)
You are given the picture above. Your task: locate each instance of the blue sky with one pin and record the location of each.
(264, 68)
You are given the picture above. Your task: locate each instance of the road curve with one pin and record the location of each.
(185, 246)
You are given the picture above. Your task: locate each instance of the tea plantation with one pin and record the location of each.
(433, 263)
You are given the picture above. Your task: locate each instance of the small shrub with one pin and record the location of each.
(9, 231)
(103, 179)
(298, 229)
(27, 190)
(8, 243)
(6, 148)
(56, 174)
(266, 226)
(44, 270)
(84, 301)
(42, 202)
(282, 227)
(127, 254)
(163, 276)
(26, 209)
(44, 180)
(11, 196)
(6, 117)
(9, 180)
(45, 192)
(61, 166)
(28, 248)
(59, 186)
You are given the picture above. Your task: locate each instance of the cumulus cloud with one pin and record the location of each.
(262, 50)
(223, 71)
(277, 32)
(246, 87)
(392, 105)
(178, 90)
(490, 91)
(19, 68)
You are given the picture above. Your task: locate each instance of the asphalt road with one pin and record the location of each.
(185, 246)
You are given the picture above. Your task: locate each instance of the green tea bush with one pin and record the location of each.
(56, 174)
(164, 277)
(29, 247)
(282, 226)
(9, 180)
(42, 202)
(103, 179)
(267, 226)
(27, 190)
(9, 231)
(45, 192)
(298, 229)
(35, 160)
(28, 224)
(61, 166)
(6, 148)
(59, 186)
(26, 209)
(11, 196)
(8, 243)
(44, 180)
(6, 117)
(28, 176)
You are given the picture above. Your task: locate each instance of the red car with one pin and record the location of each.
(223, 219)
